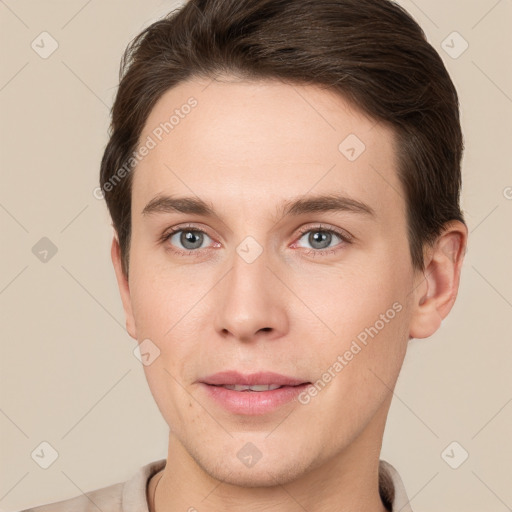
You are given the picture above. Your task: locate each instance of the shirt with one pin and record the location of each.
(130, 496)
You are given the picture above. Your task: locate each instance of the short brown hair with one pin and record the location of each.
(371, 52)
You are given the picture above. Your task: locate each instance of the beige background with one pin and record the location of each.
(68, 373)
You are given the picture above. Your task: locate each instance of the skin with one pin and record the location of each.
(246, 147)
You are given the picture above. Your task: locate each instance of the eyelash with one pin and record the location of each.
(344, 236)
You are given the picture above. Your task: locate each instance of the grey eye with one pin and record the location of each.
(319, 238)
(189, 239)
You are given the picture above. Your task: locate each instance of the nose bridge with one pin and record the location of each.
(247, 301)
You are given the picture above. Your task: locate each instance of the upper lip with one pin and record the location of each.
(251, 379)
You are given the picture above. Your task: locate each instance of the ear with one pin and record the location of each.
(437, 290)
(124, 288)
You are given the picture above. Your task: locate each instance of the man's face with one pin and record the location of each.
(261, 290)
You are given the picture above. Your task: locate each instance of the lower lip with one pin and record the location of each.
(252, 403)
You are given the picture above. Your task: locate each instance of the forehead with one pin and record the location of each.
(235, 141)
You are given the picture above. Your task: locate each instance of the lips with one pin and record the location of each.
(234, 378)
(251, 394)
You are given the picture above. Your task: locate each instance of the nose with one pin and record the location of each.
(251, 302)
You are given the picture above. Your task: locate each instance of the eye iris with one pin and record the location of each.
(319, 237)
(193, 237)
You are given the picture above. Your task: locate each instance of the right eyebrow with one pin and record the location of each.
(168, 204)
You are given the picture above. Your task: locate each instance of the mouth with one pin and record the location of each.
(257, 387)
(253, 381)
(252, 400)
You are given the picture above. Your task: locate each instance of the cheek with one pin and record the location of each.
(158, 295)
(364, 327)
(347, 300)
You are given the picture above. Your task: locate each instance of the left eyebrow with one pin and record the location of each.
(292, 207)
(326, 203)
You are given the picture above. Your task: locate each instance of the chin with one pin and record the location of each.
(268, 474)
(243, 464)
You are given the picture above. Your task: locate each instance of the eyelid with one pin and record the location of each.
(183, 227)
(342, 233)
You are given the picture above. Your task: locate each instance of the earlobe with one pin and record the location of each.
(124, 288)
(435, 295)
